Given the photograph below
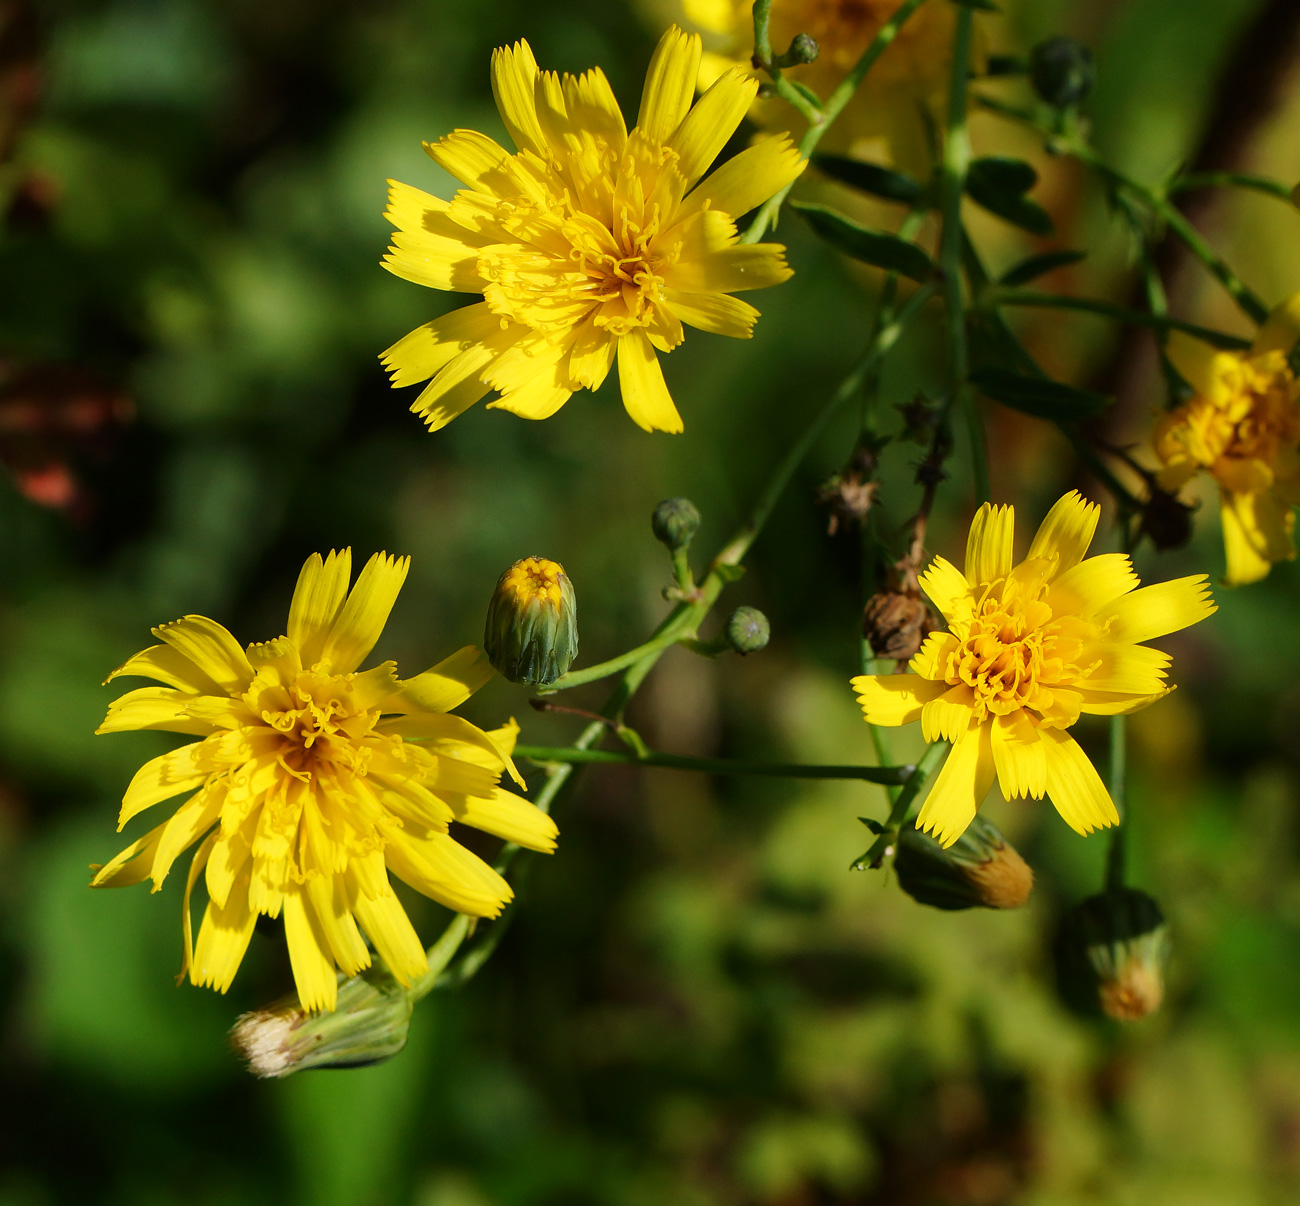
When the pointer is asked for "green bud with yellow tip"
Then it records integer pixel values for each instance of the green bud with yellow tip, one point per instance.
(531, 635)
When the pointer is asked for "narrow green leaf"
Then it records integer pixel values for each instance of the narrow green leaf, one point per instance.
(984, 6)
(1039, 396)
(1039, 265)
(999, 184)
(870, 246)
(870, 178)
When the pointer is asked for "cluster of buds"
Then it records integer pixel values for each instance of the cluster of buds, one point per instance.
(980, 870)
(531, 634)
(1112, 955)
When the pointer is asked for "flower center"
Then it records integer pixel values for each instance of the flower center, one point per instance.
(319, 722)
(1013, 651)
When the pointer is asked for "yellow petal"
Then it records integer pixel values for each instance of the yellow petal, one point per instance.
(455, 388)
(162, 708)
(1067, 531)
(948, 590)
(1243, 475)
(226, 864)
(1125, 669)
(931, 659)
(471, 157)
(212, 649)
(1019, 756)
(957, 793)
(223, 939)
(717, 16)
(444, 686)
(408, 206)
(592, 355)
(641, 380)
(1199, 364)
(326, 897)
(189, 823)
(669, 84)
(363, 616)
(1105, 703)
(514, 69)
(317, 599)
(730, 269)
(593, 109)
(1256, 532)
(711, 122)
(443, 870)
(1154, 611)
(894, 699)
(1074, 785)
(948, 716)
(1092, 584)
(543, 391)
(169, 666)
(437, 261)
(197, 864)
(508, 816)
(132, 865)
(160, 779)
(748, 179)
(715, 312)
(389, 928)
(313, 969)
(428, 349)
(988, 546)
(1281, 329)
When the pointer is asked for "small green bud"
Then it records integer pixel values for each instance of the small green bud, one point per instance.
(531, 635)
(980, 870)
(675, 522)
(748, 630)
(368, 1025)
(1112, 955)
(803, 49)
(1061, 70)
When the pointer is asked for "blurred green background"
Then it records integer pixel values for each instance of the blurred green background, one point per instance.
(698, 1002)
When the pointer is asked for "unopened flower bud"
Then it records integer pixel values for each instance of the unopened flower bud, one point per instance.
(1166, 520)
(675, 522)
(369, 1024)
(896, 622)
(980, 869)
(1115, 947)
(1061, 70)
(803, 49)
(531, 634)
(748, 630)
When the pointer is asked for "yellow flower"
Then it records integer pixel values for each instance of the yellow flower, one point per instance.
(1029, 648)
(908, 81)
(313, 780)
(588, 243)
(1243, 427)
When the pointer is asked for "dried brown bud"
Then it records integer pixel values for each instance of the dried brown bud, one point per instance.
(848, 498)
(896, 622)
(1166, 520)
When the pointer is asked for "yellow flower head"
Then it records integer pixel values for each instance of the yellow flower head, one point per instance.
(1029, 648)
(312, 780)
(1242, 427)
(910, 77)
(589, 242)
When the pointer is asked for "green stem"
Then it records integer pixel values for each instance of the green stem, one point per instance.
(684, 620)
(1258, 184)
(1054, 301)
(920, 776)
(890, 775)
(831, 108)
(952, 184)
(764, 59)
(1118, 771)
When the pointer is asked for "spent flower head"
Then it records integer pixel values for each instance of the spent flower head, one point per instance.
(590, 243)
(312, 780)
(1241, 426)
(1030, 647)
